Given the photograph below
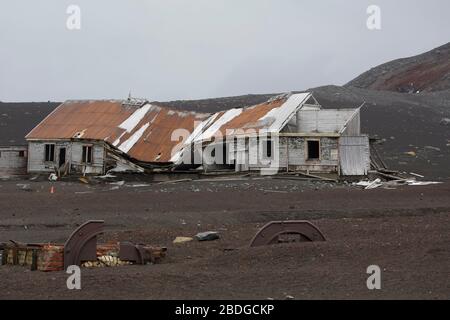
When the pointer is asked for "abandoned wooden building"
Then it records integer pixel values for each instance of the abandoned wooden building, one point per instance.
(95, 137)
(290, 132)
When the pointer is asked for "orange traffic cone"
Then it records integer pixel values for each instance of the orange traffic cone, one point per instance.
(52, 189)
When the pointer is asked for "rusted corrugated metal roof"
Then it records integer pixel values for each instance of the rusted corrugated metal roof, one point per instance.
(250, 117)
(143, 133)
(270, 116)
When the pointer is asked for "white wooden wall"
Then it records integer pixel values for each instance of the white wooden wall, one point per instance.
(74, 152)
(354, 152)
(10, 161)
(290, 151)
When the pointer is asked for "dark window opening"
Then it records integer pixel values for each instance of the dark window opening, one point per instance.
(50, 152)
(21, 154)
(268, 150)
(87, 154)
(313, 150)
(224, 153)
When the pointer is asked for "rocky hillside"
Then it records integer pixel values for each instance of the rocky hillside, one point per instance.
(427, 72)
(217, 104)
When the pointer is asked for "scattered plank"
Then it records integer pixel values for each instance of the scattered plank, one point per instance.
(391, 177)
(317, 177)
(288, 177)
(275, 191)
(174, 181)
(388, 171)
(374, 184)
(417, 175)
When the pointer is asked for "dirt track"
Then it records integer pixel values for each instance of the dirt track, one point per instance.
(405, 231)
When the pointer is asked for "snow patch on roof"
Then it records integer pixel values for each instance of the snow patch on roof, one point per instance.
(131, 141)
(193, 137)
(282, 114)
(133, 120)
(226, 117)
(200, 128)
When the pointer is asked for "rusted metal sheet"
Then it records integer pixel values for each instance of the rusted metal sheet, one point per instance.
(80, 249)
(145, 132)
(270, 116)
(139, 253)
(82, 243)
(71, 117)
(149, 139)
(280, 231)
(249, 118)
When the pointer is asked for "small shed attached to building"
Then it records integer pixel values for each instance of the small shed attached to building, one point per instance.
(290, 132)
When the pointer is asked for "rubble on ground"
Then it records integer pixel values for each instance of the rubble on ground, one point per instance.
(207, 236)
(182, 239)
(392, 183)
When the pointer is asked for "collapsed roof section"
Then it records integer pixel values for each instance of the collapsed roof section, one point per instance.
(148, 133)
(143, 132)
(269, 117)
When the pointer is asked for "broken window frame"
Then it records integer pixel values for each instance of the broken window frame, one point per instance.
(307, 153)
(87, 154)
(49, 152)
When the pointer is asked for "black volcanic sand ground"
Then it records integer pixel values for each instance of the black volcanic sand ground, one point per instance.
(405, 231)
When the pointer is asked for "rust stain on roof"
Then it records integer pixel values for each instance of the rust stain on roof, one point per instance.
(144, 132)
(250, 117)
(100, 120)
(97, 118)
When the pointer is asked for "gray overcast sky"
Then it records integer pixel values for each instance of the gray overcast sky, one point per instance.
(185, 49)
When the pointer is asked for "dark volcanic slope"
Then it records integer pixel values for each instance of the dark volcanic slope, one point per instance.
(429, 71)
(415, 123)
(17, 119)
(217, 104)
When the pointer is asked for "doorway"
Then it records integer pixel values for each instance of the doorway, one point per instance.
(62, 156)
(313, 151)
